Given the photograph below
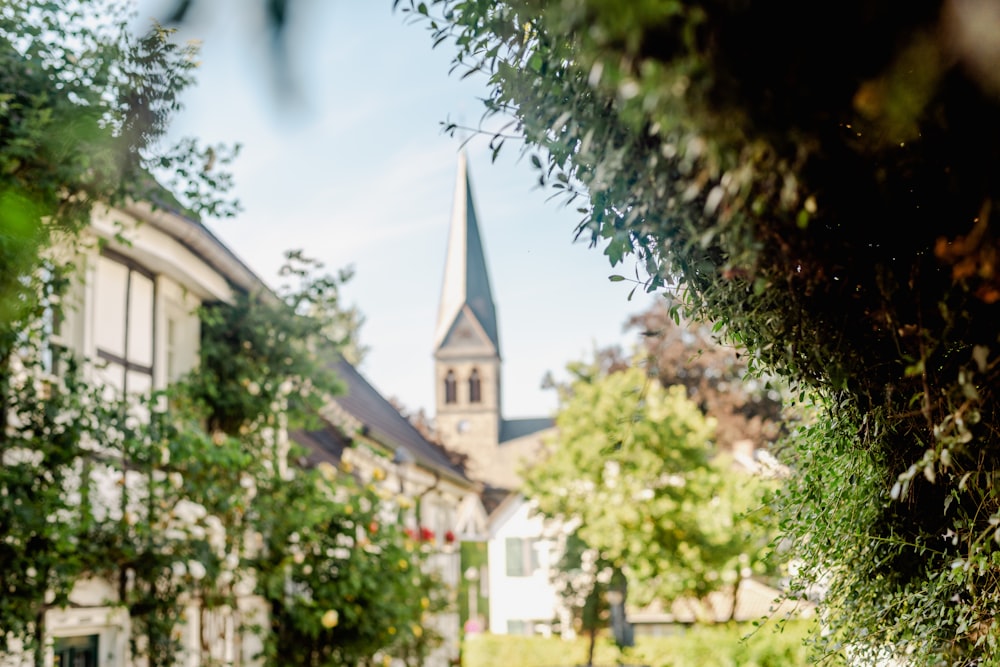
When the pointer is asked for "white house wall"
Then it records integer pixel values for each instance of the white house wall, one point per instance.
(518, 602)
(180, 281)
(161, 253)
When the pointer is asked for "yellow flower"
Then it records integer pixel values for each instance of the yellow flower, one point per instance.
(330, 618)
(328, 472)
(348, 509)
(403, 564)
(378, 474)
(416, 630)
(424, 603)
(386, 660)
(346, 467)
(392, 629)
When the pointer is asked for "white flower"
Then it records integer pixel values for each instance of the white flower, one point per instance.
(216, 534)
(197, 570)
(18, 455)
(188, 511)
(174, 534)
(249, 484)
(178, 569)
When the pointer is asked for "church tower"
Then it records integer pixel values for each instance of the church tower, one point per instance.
(466, 344)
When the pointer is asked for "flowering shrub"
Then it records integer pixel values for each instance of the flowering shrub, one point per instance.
(139, 492)
(329, 559)
(181, 499)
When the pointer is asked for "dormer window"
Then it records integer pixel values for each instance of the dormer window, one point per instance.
(475, 387)
(124, 324)
(450, 388)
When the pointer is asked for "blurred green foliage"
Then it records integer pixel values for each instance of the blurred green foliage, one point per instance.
(728, 645)
(817, 182)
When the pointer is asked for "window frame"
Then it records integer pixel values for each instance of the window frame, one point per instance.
(124, 361)
(86, 646)
(475, 387)
(527, 560)
(450, 388)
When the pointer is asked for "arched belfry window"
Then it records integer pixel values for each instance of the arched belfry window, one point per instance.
(475, 387)
(450, 393)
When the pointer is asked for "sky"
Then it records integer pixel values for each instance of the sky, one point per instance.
(351, 166)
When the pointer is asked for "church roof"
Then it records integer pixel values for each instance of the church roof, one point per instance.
(512, 429)
(466, 279)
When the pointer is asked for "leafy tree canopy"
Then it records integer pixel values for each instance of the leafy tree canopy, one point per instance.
(817, 178)
(745, 407)
(84, 106)
(631, 470)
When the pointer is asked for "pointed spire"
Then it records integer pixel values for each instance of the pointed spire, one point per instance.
(466, 279)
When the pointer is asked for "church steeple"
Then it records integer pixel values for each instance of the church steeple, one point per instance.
(466, 279)
(466, 340)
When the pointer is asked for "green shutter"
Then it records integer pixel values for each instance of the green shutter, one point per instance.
(515, 557)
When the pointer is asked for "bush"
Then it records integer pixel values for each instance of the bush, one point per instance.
(731, 645)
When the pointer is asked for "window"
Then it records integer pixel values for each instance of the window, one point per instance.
(522, 557)
(519, 627)
(450, 394)
(171, 349)
(75, 651)
(124, 324)
(475, 388)
(54, 352)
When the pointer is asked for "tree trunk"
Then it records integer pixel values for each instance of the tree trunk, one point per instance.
(40, 639)
(736, 596)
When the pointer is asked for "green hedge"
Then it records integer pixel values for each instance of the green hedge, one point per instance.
(700, 646)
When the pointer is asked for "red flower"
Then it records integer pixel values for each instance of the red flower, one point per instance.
(426, 534)
(410, 534)
(449, 537)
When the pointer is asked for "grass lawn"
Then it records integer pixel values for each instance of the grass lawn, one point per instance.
(701, 646)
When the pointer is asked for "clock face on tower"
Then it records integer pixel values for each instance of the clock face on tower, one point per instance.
(463, 426)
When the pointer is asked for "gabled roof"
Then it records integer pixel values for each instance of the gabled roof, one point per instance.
(199, 239)
(499, 502)
(466, 279)
(377, 419)
(325, 445)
